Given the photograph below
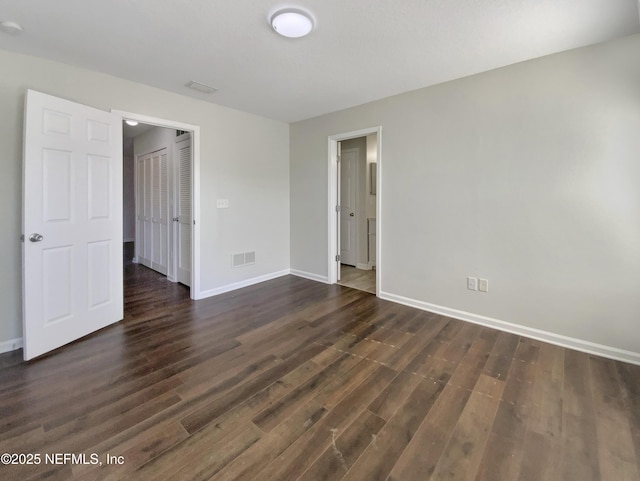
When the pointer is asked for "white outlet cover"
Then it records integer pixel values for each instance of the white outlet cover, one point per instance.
(472, 283)
(222, 203)
(483, 285)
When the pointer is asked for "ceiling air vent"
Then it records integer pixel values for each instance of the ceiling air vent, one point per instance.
(205, 89)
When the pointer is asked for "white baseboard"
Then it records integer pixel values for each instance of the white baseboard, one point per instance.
(539, 334)
(241, 284)
(159, 268)
(309, 275)
(129, 240)
(11, 345)
(363, 265)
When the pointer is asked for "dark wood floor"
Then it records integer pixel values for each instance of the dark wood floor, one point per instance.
(293, 379)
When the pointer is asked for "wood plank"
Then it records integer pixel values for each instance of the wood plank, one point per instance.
(242, 392)
(345, 448)
(250, 463)
(461, 457)
(379, 458)
(419, 458)
(392, 398)
(579, 434)
(510, 425)
(199, 456)
(617, 457)
(301, 454)
(543, 439)
(501, 356)
(628, 376)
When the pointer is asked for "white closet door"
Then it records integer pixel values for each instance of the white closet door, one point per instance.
(183, 156)
(156, 243)
(163, 215)
(148, 226)
(140, 210)
(159, 211)
(153, 210)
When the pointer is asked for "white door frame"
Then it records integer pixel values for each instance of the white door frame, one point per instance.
(333, 201)
(195, 188)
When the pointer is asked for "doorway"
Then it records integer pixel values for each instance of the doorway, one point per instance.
(180, 238)
(354, 213)
(72, 196)
(157, 198)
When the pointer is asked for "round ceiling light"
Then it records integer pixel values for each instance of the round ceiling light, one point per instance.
(12, 28)
(132, 123)
(292, 22)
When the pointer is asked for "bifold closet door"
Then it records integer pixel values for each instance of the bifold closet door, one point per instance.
(185, 223)
(140, 214)
(159, 212)
(153, 210)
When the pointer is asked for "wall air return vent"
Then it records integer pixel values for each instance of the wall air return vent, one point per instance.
(243, 259)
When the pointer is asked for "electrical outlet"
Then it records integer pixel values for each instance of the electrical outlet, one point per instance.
(472, 283)
(483, 285)
(222, 204)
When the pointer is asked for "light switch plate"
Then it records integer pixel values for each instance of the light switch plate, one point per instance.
(222, 204)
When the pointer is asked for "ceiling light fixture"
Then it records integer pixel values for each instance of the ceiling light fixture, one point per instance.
(12, 28)
(292, 22)
(132, 123)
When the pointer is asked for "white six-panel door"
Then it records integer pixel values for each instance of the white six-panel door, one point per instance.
(348, 178)
(72, 222)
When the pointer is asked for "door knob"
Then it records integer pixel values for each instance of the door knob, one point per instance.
(176, 219)
(351, 214)
(35, 237)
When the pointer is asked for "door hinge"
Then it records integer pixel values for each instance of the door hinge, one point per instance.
(338, 158)
(337, 208)
(338, 258)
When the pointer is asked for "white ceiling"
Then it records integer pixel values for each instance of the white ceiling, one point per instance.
(361, 50)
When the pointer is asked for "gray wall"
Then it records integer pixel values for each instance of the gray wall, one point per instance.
(254, 175)
(528, 176)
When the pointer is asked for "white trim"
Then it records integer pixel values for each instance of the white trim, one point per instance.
(195, 292)
(365, 266)
(11, 345)
(332, 197)
(310, 276)
(539, 334)
(247, 282)
(131, 239)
